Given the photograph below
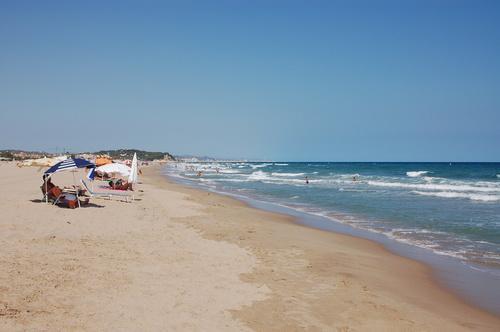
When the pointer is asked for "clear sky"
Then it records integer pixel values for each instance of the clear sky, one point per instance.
(283, 80)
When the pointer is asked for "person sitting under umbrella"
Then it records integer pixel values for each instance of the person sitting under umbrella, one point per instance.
(119, 184)
(55, 194)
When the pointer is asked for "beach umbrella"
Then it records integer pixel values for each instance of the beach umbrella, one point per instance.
(116, 168)
(69, 164)
(91, 174)
(132, 178)
(99, 161)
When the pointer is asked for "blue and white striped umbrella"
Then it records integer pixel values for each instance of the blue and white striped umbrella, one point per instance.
(68, 164)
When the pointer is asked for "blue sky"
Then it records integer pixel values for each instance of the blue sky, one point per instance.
(283, 80)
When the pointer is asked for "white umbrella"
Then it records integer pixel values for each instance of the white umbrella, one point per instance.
(132, 178)
(121, 169)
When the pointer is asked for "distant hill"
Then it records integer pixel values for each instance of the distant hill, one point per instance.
(200, 158)
(129, 154)
(21, 154)
(115, 154)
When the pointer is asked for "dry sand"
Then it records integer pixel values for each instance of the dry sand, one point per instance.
(184, 259)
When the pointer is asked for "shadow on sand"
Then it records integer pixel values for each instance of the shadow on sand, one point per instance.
(89, 205)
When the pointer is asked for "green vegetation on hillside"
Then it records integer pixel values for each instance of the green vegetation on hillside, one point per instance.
(6, 155)
(142, 155)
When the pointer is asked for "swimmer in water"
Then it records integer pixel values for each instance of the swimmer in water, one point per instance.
(307, 180)
(200, 174)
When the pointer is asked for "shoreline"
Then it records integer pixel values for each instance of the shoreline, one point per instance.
(180, 258)
(473, 286)
(434, 290)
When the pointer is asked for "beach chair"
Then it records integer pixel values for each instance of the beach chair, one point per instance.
(53, 195)
(57, 196)
(108, 195)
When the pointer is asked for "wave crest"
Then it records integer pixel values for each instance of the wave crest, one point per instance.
(448, 194)
(414, 174)
(434, 186)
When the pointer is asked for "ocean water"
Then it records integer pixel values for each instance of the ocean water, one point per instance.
(450, 209)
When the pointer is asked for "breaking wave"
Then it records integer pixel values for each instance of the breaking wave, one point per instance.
(448, 194)
(288, 174)
(260, 165)
(436, 186)
(414, 174)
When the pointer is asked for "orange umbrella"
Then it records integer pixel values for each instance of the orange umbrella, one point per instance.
(102, 161)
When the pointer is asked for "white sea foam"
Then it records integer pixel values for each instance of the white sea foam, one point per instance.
(288, 174)
(258, 176)
(356, 190)
(231, 180)
(260, 165)
(414, 174)
(400, 235)
(281, 164)
(207, 181)
(436, 186)
(229, 171)
(448, 194)
(491, 184)
(414, 231)
(272, 178)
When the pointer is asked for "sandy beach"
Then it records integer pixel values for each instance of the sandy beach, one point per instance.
(181, 259)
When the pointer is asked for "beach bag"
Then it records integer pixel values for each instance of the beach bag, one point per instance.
(72, 204)
(55, 192)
